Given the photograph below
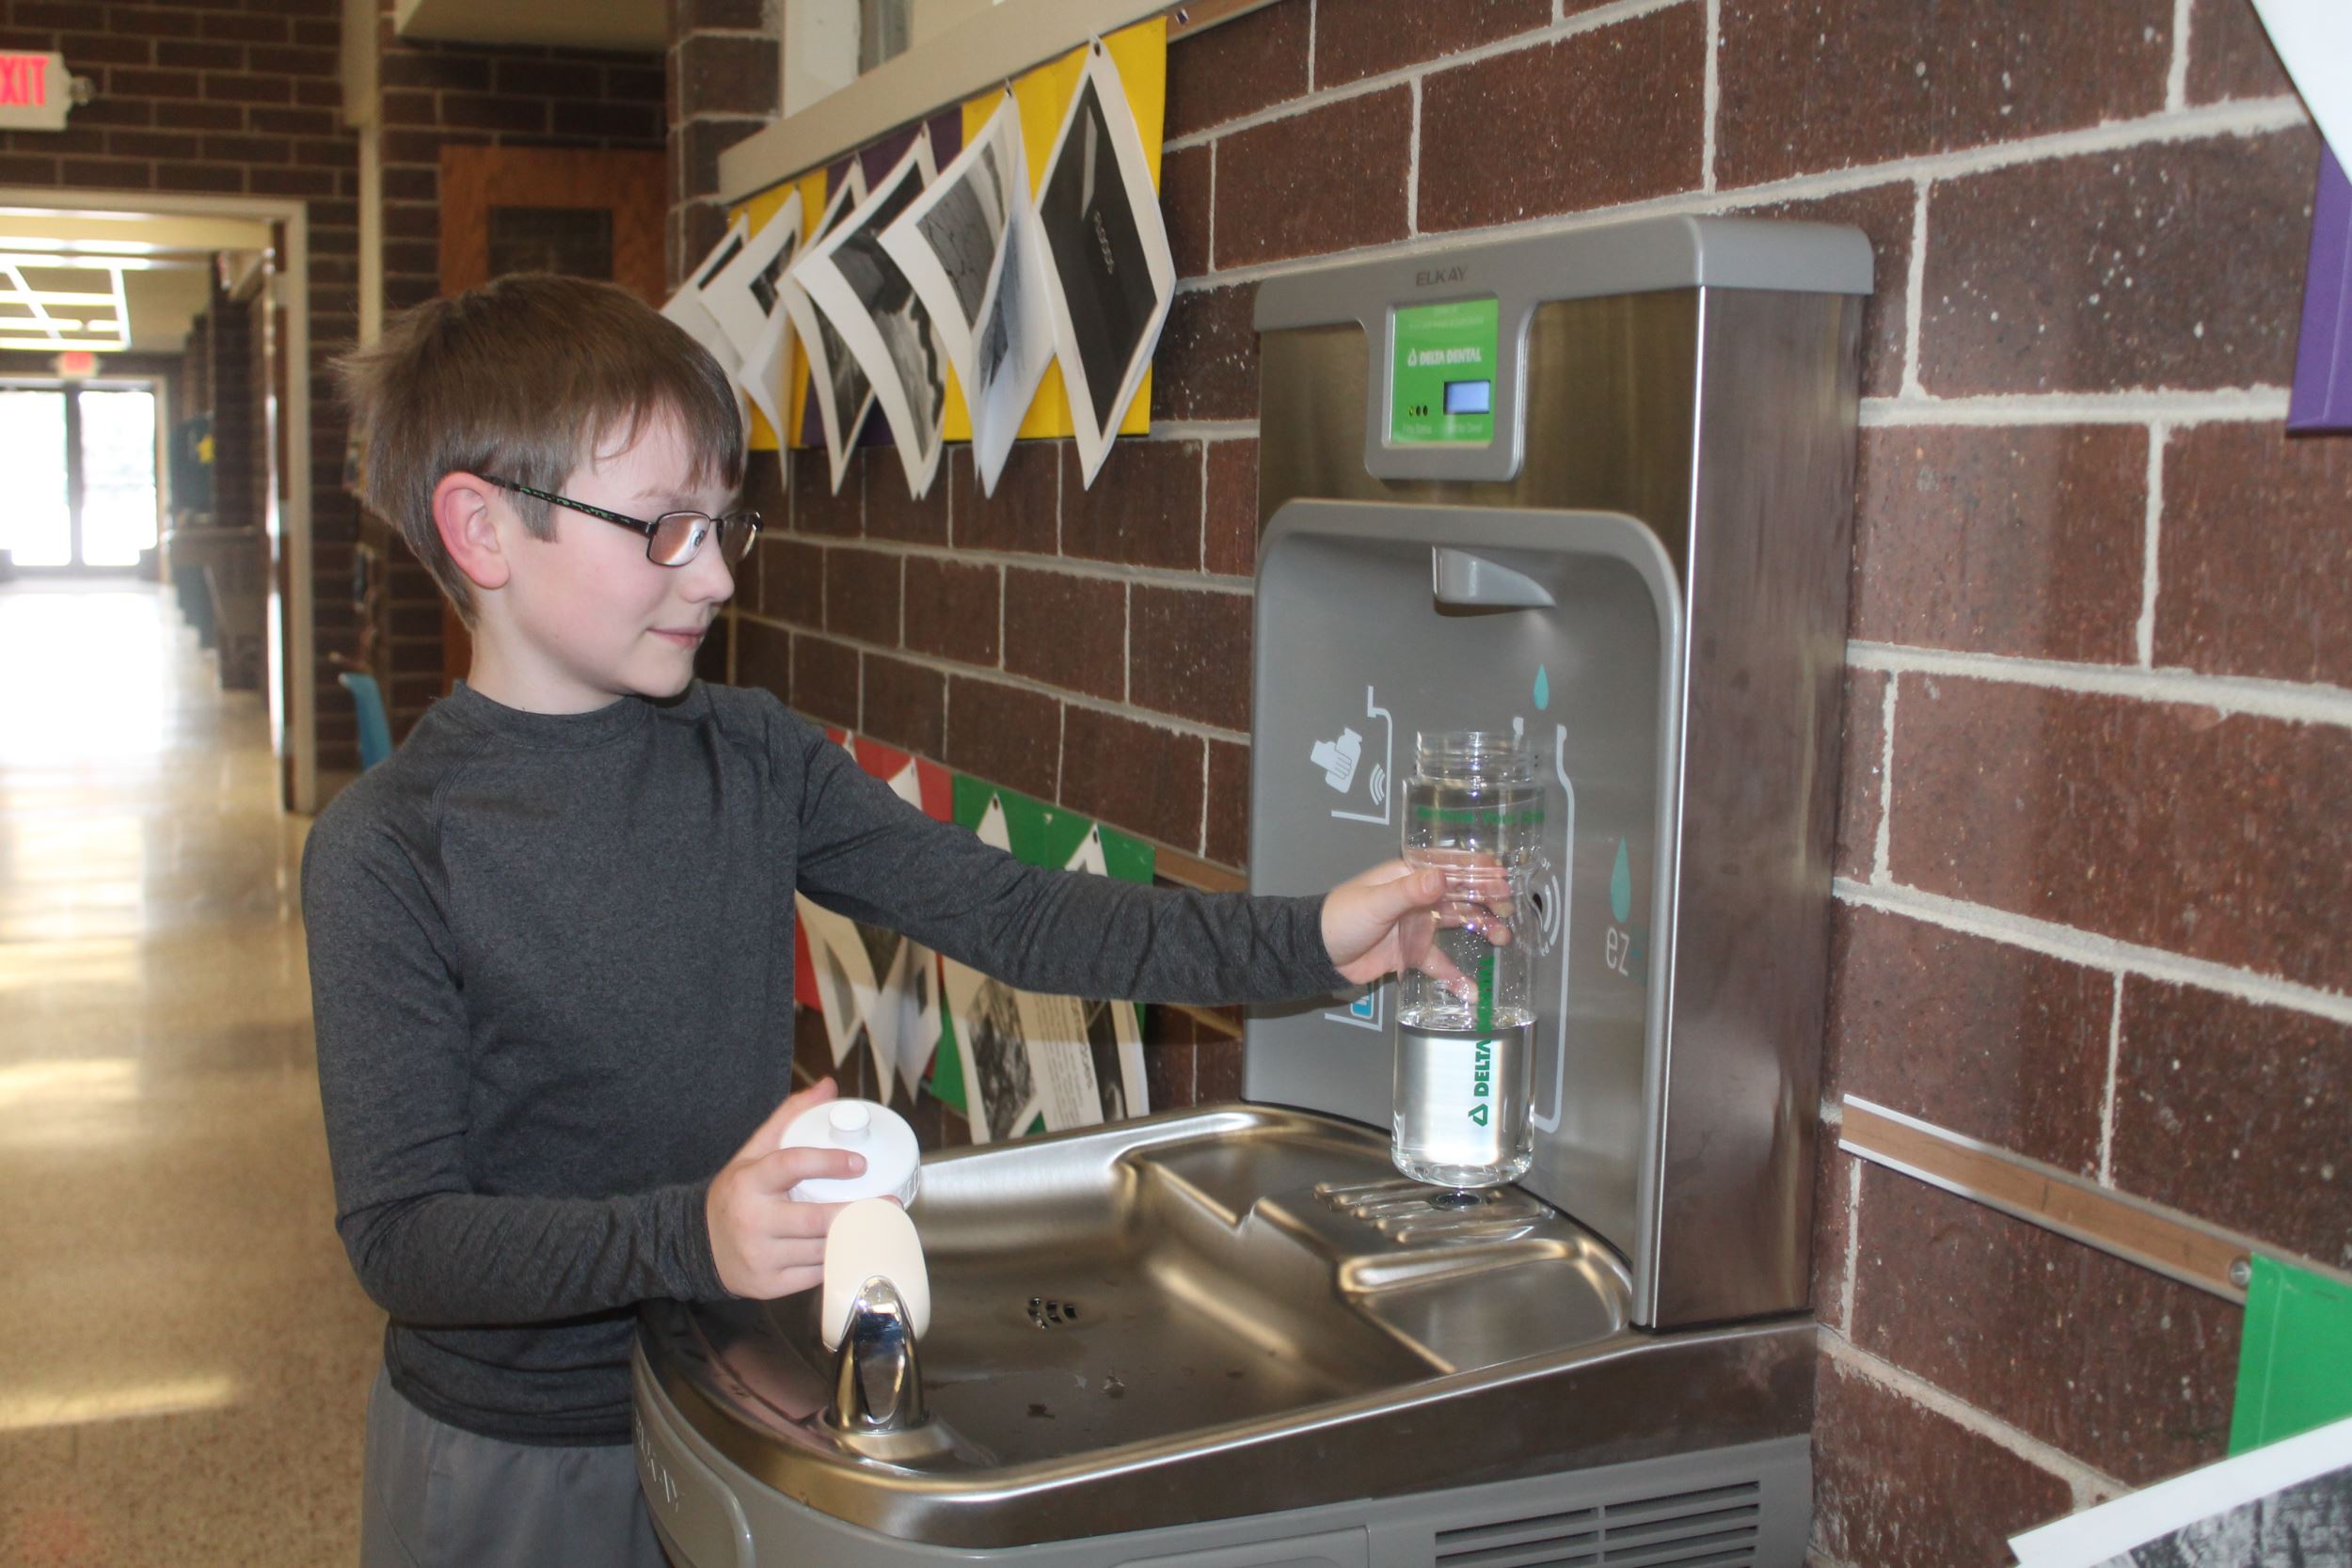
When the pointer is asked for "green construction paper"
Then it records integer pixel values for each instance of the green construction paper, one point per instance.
(2295, 1361)
(1039, 834)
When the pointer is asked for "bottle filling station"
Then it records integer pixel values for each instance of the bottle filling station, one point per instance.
(1594, 491)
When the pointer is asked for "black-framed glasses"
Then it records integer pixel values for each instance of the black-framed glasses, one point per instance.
(671, 539)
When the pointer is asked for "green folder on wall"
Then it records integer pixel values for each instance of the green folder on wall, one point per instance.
(2294, 1363)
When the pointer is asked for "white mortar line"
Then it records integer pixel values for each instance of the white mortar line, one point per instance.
(1853, 1244)
(1201, 557)
(2227, 694)
(1916, 287)
(1210, 262)
(2090, 951)
(1058, 565)
(2249, 116)
(2176, 79)
(2234, 405)
(1201, 430)
(1879, 868)
(1067, 697)
(2089, 1485)
(1412, 166)
(1714, 92)
(2107, 1105)
(1127, 646)
(2145, 638)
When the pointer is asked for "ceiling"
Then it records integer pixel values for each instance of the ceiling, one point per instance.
(641, 26)
(113, 282)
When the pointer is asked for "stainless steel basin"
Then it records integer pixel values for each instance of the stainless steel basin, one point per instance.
(1214, 1313)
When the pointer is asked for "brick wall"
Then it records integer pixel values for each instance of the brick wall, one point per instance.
(2097, 804)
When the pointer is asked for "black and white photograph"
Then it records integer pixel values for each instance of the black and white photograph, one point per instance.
(1109, 274)
(837, 383)
(689, 310)
(969, 247)
(1001, 1095)
(854, 282)
(741, 294)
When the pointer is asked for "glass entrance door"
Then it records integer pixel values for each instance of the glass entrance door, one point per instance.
(36, 525)
(82, 465)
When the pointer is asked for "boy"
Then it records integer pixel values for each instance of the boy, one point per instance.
(551, 938)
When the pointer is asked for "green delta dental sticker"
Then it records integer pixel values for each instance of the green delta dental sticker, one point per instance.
(1441, 385)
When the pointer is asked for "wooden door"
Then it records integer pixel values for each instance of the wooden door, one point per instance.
(512, 209)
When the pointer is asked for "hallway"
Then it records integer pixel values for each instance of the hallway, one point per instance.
(184, 1368)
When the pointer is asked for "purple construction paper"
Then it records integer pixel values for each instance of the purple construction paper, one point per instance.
(2323, 359)
(879, 158)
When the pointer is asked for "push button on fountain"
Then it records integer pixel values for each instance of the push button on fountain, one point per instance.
(876, 1133)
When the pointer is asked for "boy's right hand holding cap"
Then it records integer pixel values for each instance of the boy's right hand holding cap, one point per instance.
(765, 1245)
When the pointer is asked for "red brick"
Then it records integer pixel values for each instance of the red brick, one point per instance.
(953, 608)
(892, 513)
(404, 109)
(2229, 54)
(231, 87)
(539, 78)
(727, 75)
(1275, 196)
(2225, 838)
(1217, 1070)
(475, 112)
(2023, 1324)
(2170, 264)
(1167, 1046)
(200, 57)
(87, 48)
(1898, 1484)
(2005, 1045)
(1135, 776)
(1004, 735)
(245, 30)
(1833, 1223)
(2232, 1111)
(1185, 194)
(702, 141)
(862, 595)
(1863, 778)
(2254, 560)
(1356, 38)
(2027, 541)
(614, 125)
(1067, 630)
(108, 174)
(1232, 544)
(825, 679)
(1229, 804)
(158, 22)
(247, 150)
(763, 658)
(1612, 116)
(1247, 65)
(198, 177)
(412, 185)
(905, 704)
(695, 15)
(790, 581)
(145, 144)
(817, 508)
(1886, 215)
(154, 84)
(644, 84)
(1896, 79)
(199, 117)
(294, 122)
(1206, 366)
(1024, 515)
(1144, 509)
(1189, 653)
(277, 61)
(416, 68)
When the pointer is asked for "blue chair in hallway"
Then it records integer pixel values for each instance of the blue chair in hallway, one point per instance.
(375, 730)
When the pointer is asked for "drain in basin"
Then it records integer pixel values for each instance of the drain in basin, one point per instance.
(1052, 1312)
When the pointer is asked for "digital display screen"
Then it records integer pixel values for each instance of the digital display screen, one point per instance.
(1441, 376)
(1469, 397)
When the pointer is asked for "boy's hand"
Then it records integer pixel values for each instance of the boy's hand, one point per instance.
(1370, 922)
(765, 1245)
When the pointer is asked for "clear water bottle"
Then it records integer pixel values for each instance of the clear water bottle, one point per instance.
(1465, 1009)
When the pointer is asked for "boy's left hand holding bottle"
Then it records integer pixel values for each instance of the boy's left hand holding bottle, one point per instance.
(765, 1245)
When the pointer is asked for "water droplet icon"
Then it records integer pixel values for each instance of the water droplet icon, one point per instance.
(1542, 687)
(1621, 887)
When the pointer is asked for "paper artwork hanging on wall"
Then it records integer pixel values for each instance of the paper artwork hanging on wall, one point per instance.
(856, 285)
(970, 246)
(843, 394)
(1109, 274)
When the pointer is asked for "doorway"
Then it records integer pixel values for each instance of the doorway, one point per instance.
(120, 500)
(83, 460)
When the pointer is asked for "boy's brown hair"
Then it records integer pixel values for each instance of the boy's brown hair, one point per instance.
(523, 378)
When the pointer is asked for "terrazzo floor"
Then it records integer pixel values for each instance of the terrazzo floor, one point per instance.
(184, 1352)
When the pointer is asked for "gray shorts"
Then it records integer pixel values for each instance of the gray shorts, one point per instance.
(440, 1497)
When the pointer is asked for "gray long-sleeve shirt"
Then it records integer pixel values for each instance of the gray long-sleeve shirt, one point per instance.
(551, 962)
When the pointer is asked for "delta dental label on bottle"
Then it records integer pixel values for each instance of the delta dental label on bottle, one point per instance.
(1453, 1116)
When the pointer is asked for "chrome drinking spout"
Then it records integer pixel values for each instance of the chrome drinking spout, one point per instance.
(877, 1382)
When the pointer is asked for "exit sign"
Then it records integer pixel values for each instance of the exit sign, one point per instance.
(36, 91)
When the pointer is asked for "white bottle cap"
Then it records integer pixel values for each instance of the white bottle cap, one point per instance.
(877, 1134)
